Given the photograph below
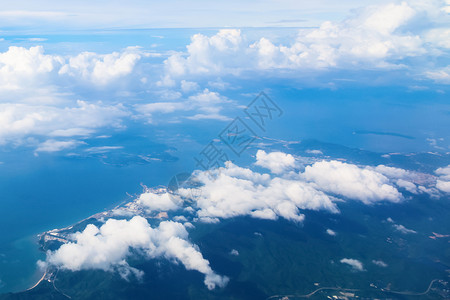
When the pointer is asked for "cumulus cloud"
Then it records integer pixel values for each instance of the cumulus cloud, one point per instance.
(209, 55)
(378, 36)
(18, 120)
(101, 69)
(379, 263)
(443, 185)
(411, 181)
(234, 252)
(403, 178)
(393, 172)
(443, 181)
(354, 263)
(28, 70)
(403, 229)
(21, 67)
(331, 232)
(233, 191)
(444, 172)
(276, 162)
(156, 202)
(38, 93)
(108, 247)
(407, 185)
(351, 181)
(205, 105)
(367, 39)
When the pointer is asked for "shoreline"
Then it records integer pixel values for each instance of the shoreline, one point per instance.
(37, 283)
(95, 216)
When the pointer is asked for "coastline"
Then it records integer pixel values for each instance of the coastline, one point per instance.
(37, 283)
(54, 234)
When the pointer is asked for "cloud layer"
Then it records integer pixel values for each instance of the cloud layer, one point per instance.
(351, 181)
(443, 181)
(380, 37)
(136, 83)
(233, 191)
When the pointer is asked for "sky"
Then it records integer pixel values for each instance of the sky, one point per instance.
(57, 15)
(58, 88)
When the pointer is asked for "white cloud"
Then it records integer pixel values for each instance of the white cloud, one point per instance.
(351, 181)
(331, 232)
(149, 109)
(276, 162)
(102, 69)
(315, 152)
(189, 86)
(443, 181)
(38, 92)
(211, 116)
(55, 146)
(378, 36)
(409, 180)
(30, 70)
(400, 228)
(392, 172)
(21, 68)
(379, 263)
(407, 185)
(439, 36)
(369, 39)
(440, 75)
(206, 104)
(71, 132)
(21, 120)
(234, 191)
(234, 252)
(403, 229)
(443, 185)
(102, 149)
(444, 172)
(209, 55)
(354, 263)
(108, 247)
(156, 202)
